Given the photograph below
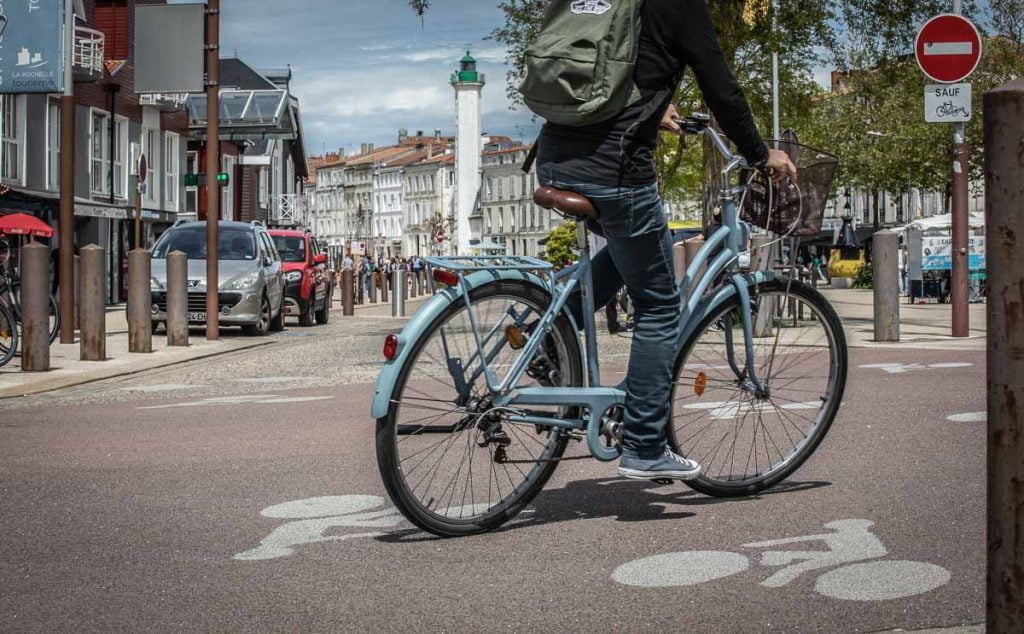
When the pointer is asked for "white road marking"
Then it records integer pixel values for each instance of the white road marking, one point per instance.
(969, 417)
(903, 368)
(243, 399)
(673, 570)
(315, 517)
(273, 379)
(881, 580)
(723, 410)
(162, 387)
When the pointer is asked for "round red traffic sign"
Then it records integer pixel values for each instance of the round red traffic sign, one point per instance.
(948, 48)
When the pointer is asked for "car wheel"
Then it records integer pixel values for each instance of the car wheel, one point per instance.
(324, 314)
(277, 323)
(262, 325)
(306, 314)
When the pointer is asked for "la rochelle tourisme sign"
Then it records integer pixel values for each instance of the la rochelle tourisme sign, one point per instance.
(31, 46)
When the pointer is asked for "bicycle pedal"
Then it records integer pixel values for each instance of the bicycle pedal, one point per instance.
(663, 481)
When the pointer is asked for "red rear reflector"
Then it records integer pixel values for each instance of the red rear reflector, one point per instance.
(446, 277)
(390, 347)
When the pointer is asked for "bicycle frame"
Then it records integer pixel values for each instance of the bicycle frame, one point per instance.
(697, 296)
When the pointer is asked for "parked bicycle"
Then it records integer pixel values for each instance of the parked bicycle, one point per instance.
(486, 386)
(10, 297)
(8, 325)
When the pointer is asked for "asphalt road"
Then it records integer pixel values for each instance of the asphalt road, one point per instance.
(242, 493)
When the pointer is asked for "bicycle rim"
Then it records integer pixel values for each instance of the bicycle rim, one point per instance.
(747, 442)
(8, 336)
(453, 464)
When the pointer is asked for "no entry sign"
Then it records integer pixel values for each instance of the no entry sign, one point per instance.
(948, 48)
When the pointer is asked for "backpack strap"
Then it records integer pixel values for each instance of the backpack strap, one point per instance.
(531, 157)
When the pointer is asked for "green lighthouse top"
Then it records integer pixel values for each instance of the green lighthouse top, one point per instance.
(467, 71)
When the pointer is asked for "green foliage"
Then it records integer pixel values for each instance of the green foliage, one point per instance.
(560, 244)
(865, 277)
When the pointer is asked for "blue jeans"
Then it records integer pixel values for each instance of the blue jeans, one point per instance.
(639, 255)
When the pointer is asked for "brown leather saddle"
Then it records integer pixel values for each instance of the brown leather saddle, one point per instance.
(565, 202)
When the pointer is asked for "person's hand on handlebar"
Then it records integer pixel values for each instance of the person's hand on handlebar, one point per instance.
(670, 122)
(780, 165)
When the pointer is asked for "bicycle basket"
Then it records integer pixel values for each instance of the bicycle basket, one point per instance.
(788, 209)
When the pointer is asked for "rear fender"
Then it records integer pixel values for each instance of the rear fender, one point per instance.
(419, 323)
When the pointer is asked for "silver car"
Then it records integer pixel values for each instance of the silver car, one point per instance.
(251, 284)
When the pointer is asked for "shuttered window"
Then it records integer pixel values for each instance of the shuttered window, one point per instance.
(112, 20)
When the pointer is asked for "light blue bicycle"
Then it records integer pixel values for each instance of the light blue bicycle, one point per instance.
(488, 383)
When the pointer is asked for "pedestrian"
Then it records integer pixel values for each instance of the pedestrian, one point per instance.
(346, 263)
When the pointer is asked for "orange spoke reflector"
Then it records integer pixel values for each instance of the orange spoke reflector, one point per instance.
(700, 384)
(514, 335)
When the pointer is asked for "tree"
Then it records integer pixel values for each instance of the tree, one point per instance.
(560, 243)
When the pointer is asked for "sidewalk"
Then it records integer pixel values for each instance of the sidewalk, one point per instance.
(66, 370)
(921, 325)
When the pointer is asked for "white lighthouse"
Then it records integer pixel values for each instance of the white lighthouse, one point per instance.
(469, 85)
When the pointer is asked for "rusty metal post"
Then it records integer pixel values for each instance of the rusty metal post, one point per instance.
(35, 307)
(372, 295)
(92, 306)
(177, 298)
(78, 290)
(212, 167)
(885, 260)
(140, 319)
(347, 306)
(398, 294)
(66, 174)
(1004, 199)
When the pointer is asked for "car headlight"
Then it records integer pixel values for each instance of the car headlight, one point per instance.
(155, 284)
(293, 276)
(241, 282)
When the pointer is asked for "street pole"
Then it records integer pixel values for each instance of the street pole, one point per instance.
(776, 118)
(1004, 198)
(212, 165)
(959, 288)
(66, 213)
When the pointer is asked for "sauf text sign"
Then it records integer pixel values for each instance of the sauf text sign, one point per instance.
(31, 46)
(945, 103)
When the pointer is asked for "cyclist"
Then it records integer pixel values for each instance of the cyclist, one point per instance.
(611, 163)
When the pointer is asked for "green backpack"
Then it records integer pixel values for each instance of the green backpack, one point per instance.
(579, 68)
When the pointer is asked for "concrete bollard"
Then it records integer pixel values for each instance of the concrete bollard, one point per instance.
(347, 279)
(92, 341)
(140, 320)
(371, 297)
(35, 307)
(398, 294)
(1004, 227)
(679, 261)
(693, 246)
(177, 299)
(78, 289)
(885, 265)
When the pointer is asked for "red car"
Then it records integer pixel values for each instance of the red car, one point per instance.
(309, 285)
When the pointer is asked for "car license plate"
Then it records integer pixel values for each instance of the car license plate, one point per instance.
(195, 316)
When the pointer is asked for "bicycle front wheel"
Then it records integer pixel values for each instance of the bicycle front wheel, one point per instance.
(450, 460)
(8, 335)
(747, 442)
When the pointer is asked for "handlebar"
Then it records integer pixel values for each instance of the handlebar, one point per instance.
(700, 123)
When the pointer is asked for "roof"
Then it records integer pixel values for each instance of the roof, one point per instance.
(379, 154)
(234, 73)
(517, 148)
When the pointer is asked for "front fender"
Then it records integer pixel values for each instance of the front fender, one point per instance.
(714, 300)
(417, 326)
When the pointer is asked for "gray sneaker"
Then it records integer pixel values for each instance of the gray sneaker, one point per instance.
(668, 465)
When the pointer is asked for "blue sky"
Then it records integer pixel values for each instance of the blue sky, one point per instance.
(362, 69)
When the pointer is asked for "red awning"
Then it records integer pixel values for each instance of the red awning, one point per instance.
(25, 225)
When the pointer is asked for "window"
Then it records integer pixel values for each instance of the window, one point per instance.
(100, 153)
(500, 188)
(191, 193)
(52, 144)
(120, 157)
(13, 137)
(263, 187)
(171, 164)
(152, 151)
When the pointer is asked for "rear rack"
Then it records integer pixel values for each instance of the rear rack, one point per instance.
(470, 263)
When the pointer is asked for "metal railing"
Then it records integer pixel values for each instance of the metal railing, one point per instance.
(163, 100)
(288, 209)
(89, 50)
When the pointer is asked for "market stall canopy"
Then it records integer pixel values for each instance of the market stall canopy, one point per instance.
(25, 225)
(945, 221)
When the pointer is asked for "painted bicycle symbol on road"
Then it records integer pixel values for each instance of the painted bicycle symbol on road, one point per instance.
(854, 554)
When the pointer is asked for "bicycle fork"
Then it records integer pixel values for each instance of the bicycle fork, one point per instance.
(749, 376)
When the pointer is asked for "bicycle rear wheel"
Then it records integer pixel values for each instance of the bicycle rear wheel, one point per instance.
(8, 335)
(745, 442)
(52, 308)
(450, 461)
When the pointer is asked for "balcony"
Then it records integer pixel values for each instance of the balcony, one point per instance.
(87, 61)
(164, 101)
(288, 210)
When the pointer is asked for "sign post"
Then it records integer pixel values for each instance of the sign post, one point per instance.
(138, 200)
(66, 209)
(948, 49)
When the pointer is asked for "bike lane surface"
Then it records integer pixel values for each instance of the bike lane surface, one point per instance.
(264, 510)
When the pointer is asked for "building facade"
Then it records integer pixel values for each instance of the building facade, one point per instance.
(509, 218)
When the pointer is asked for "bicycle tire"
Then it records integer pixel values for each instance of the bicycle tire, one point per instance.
(389, 462)
(54, 308)
(760, 481)
(8, 335)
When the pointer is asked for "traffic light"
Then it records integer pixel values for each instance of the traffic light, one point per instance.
(192, 180)
(222, 178)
